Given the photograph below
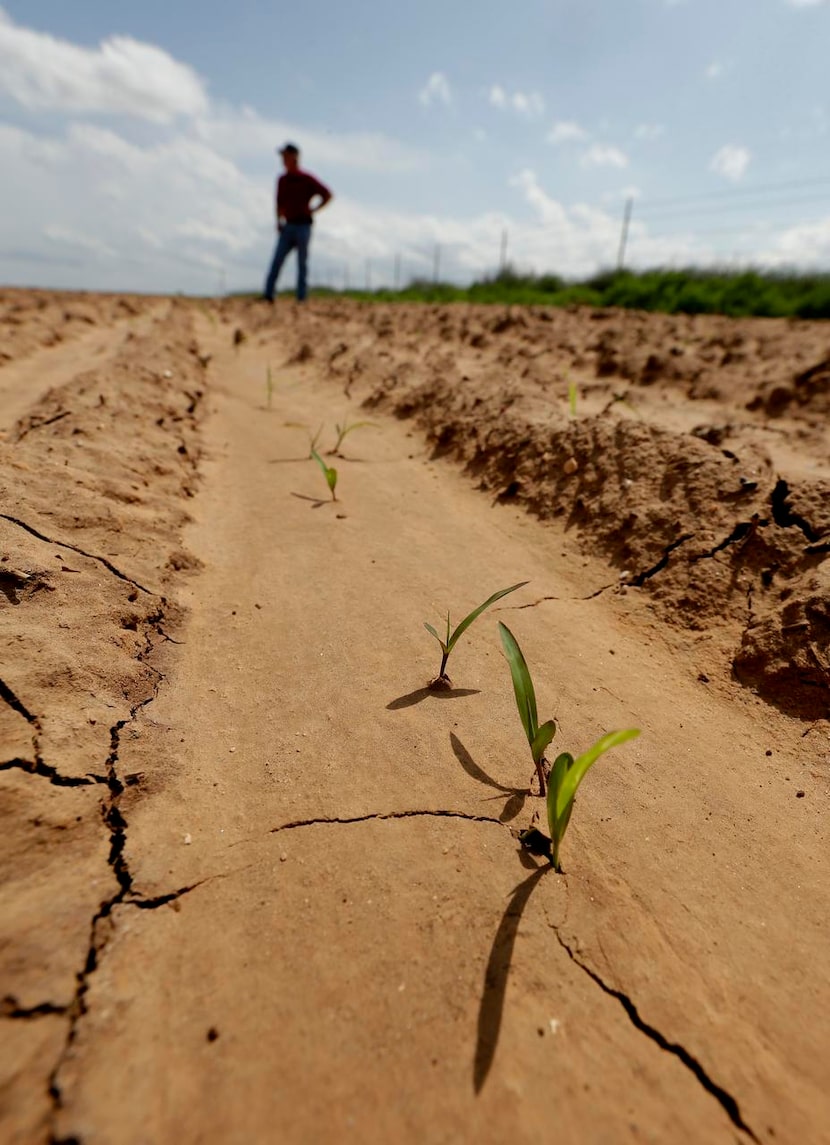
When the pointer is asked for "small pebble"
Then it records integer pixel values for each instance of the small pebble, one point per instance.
(187, 840)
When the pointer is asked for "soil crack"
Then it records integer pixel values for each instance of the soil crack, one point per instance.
(727, 1102)
(642, 577)
(16, 705)
(75, 549)
(10, 1009)
(785, 516)
(742, 532)
(381, 815)
(565, 599)
(38, 767)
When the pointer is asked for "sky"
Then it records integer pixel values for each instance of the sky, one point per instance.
(137, 141)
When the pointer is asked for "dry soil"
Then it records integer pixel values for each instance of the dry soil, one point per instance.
(258, 883)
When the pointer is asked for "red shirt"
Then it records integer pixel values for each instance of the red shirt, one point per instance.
(295, 189)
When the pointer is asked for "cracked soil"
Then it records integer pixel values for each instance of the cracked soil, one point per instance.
(258, 883)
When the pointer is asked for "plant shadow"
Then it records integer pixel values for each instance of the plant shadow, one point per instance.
(316, 502)
(420, 694)
(516, 795)
(491, 1008)
(285, 460)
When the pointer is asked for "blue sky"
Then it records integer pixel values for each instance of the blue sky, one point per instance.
(136, 141)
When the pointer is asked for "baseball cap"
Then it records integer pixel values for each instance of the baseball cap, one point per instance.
(291, 148)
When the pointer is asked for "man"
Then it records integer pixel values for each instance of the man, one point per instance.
(295, 190)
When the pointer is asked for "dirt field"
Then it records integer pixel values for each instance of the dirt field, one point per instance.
(257, 882)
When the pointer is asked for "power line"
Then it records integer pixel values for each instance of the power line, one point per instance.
(823, 180)
(724, 208)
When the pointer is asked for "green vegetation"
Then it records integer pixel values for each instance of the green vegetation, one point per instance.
(313, 438)
(567, 773)
(442, 679)
(345, 428)
(739, 294)
(572, 396)
(329, 473)
(538, 737)
(565, 777)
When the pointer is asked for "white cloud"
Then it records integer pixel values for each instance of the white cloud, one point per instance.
(603, 155)
(649, 131)
(715, 70)
(531, 105)
(242, 132)
(566, 131)
(498, 96)
(121, 76)
(805, 3)
(436, 90)
(731, 162)
(78, 240)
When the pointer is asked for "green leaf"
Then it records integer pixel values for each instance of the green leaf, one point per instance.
(579, 769)
(468, 620)
(355, 425)
(329, 473)
(542, 739)
(429, 628)
(560, 768)
(522, 683)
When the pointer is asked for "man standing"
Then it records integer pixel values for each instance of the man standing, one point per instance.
(295, 190)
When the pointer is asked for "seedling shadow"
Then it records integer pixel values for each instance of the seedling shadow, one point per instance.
(316, 502)
(491, 1008)
(284, 460)
(516, 795)
(413, 698)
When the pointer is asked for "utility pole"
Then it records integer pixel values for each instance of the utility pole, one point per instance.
(503, 255)
(629, 207)
(436, 262)
(345, 276)
(397, 274)
(368, 274)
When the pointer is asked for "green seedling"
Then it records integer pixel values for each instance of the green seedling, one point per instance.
(567, 773)
(269, 388)
(572, 396)
(312, 438)
(442, 680)
(538, 737)
(345, 428)
(565, 777)
(329, 473)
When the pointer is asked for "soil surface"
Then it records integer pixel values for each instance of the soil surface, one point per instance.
(258, 882)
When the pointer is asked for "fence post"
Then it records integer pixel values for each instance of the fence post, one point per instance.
(629, 207)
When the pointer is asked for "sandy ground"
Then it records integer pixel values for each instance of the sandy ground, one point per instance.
(258, 882)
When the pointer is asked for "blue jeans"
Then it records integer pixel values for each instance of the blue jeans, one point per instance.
(292, 235)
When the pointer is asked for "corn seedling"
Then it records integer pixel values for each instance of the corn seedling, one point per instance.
(565, 777)
(345, 428)
(572, 396)
(269, 388)
(329, 473)
(442, 680)
(312, 438)
(538, 737)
